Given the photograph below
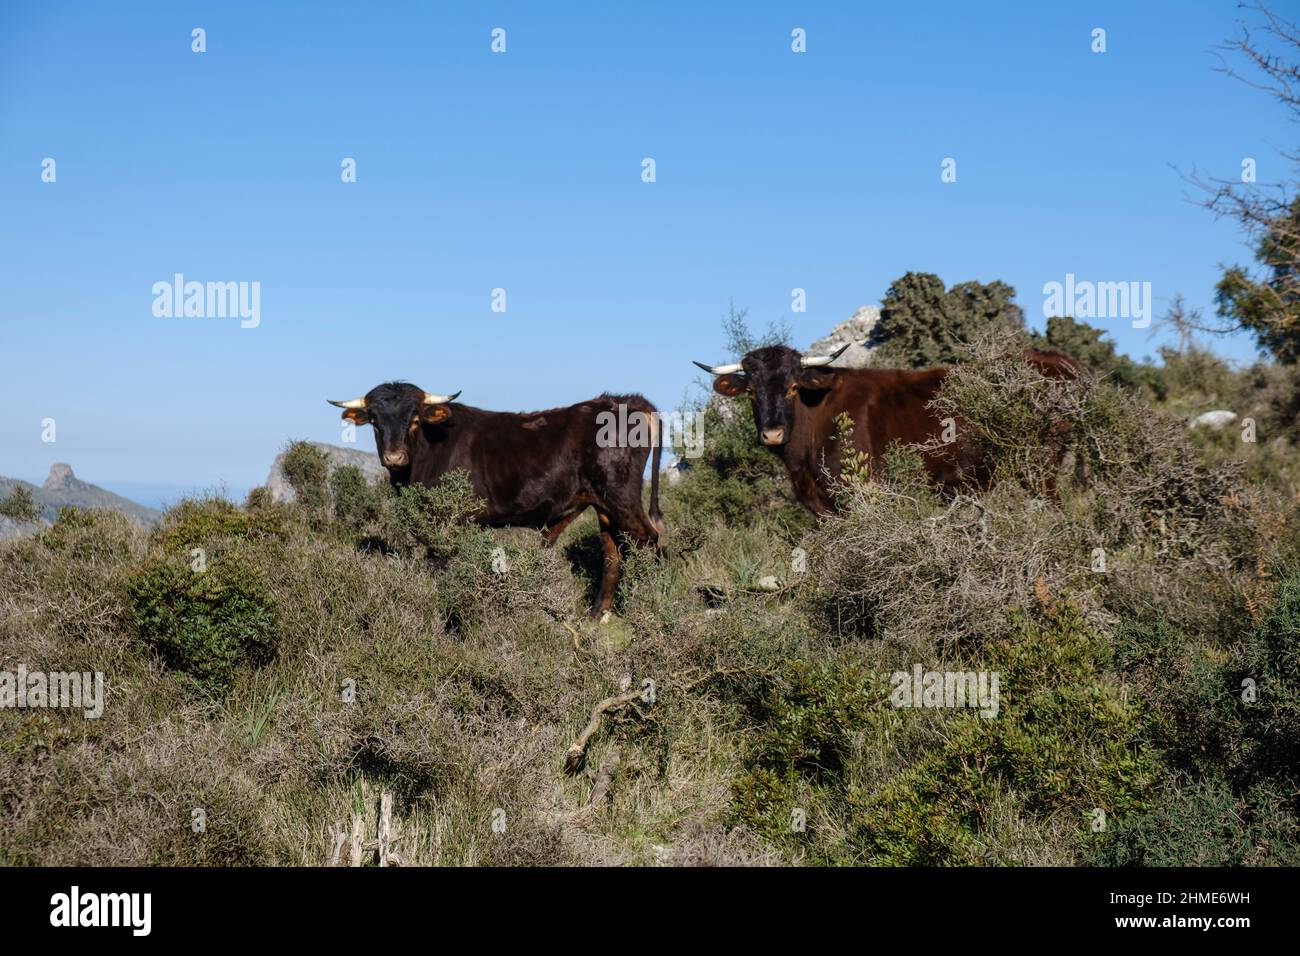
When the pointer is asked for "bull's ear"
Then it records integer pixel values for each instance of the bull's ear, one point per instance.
(355, 415)
(817, 379)
(731, 384)
(433, 414)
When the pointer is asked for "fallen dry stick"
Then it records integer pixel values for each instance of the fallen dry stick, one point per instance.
(578, 749)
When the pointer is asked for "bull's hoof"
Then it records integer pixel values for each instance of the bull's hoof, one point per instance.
(606, 617)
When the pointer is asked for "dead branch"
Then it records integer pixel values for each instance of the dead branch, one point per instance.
(577, 752)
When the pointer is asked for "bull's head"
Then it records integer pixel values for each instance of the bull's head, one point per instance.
(774, 378)
(396, 410)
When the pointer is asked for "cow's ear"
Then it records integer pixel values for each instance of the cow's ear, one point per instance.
(433, 414)
(817, 379)
(356, 416)
(731, 385)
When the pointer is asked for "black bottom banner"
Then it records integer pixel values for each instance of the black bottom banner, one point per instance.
(300, 905)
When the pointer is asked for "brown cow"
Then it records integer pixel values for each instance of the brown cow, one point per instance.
(796, 399)
(536, 469)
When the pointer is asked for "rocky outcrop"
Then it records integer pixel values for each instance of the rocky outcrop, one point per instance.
(853, 331)
(368, 462)
(10, 528)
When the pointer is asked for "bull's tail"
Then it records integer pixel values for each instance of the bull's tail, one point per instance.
(656, 440)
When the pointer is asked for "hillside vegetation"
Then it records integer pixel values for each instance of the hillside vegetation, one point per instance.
(277, 666)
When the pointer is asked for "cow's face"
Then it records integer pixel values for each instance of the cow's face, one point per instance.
(777, 379)
(396, 411)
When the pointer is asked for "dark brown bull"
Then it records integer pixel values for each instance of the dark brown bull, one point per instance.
(540, 469)
(796, 399)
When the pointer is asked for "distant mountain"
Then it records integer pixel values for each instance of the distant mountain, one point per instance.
(62, 489)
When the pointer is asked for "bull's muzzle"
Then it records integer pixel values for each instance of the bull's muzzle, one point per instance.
(394, 459)
(773, 436)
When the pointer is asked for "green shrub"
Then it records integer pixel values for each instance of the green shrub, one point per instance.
(307, 469)
(199, 522)
(1204, 824)
(131, 804)
(20, 505)
(1190, 707)
(479, 573)
(809, 715)
(1272, 722)
(259, 499)
(91, 534)
(1063, 744)
(1200, 711)
(432, 518)
(205, 624)
(358, 504)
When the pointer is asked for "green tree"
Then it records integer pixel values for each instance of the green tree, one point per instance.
(1269, 305)
(922, 323)
(1266, 303)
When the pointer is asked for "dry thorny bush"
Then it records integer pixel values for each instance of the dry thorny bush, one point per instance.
(1091, 487)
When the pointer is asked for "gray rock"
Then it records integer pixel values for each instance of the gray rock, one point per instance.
(368, 462)
(852, 331)
(9, 528)
(1217, 419)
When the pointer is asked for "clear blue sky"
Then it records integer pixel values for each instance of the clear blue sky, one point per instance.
(523, 171)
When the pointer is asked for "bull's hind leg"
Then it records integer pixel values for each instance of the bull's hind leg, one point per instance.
(557, 529)
(611, 569)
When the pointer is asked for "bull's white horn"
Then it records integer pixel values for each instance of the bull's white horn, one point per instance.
(432, 399)
(350, 403)
(813, 361)
(719, 369)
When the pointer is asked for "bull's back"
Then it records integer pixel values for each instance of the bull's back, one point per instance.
(529, 468)
(894, 407)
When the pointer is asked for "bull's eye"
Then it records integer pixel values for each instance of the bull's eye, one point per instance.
(792, 390)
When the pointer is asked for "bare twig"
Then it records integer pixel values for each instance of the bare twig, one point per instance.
(577, 752)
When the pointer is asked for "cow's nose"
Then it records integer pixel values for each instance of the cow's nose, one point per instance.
(395, 459)
(773, 436)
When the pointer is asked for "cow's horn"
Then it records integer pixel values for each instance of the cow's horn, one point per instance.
(350, 403)
(432, 399)
(719, 369)
(815, 360)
